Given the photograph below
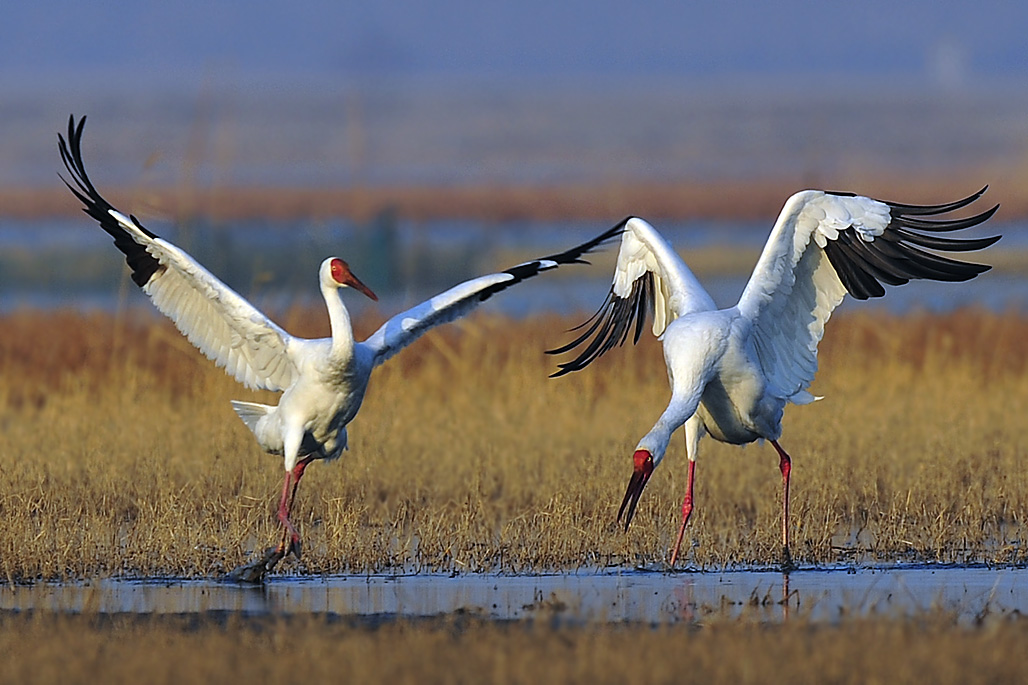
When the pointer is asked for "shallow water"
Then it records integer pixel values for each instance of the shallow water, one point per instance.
(53, 264)
(637, 596)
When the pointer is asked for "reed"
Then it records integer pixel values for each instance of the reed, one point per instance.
(121, 454)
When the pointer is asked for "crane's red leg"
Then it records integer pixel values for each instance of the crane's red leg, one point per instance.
(255, 571)
(785, 465)
(686, 511)
(290, 538)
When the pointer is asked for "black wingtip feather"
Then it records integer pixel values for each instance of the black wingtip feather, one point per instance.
(934, 242)
(928, 210)
(571, 256)
(143, 265)
(610, 326)
(895, 257)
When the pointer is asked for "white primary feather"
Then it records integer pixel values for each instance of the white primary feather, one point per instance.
(217, 320)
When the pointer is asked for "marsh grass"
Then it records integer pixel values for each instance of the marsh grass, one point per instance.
(121, 454)
(91, 648)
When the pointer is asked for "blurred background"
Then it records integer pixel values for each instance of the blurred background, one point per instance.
(427, 142)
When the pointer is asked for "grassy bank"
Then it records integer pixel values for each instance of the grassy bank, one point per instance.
(122, 455)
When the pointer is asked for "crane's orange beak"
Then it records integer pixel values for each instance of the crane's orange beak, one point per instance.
(643, 468)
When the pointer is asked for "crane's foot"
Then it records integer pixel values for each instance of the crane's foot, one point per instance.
(255, 571)
(787, 563)
(295, 548)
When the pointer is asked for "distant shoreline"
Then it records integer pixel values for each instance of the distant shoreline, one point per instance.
(603, 202)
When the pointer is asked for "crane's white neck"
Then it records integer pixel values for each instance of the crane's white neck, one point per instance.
(339, 320)
(656, 441)
(679, 410)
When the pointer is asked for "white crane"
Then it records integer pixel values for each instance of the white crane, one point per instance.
(322, 381)
(732, 371)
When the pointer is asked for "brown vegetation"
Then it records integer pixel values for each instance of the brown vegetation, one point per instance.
(602, 202)
(122, 455)
(90, 648)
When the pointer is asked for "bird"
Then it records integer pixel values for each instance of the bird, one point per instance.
(732, 371)
(322, 381)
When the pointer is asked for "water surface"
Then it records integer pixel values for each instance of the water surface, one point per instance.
(636, 596)
(69, 263)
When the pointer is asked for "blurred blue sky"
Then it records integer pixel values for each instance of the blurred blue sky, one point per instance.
(153, 44)
(465, 91)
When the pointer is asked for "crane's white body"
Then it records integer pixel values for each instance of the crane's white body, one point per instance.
(323, 381)
(733, 371)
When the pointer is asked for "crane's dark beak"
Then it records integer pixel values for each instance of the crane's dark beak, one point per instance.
(643, 468)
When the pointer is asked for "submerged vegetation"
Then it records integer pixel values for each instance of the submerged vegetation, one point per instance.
(122, 455)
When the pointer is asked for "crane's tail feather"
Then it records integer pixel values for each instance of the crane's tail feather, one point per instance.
(250, 413)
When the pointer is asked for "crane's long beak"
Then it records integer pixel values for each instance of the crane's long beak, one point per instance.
(357, 285)
(640, 476)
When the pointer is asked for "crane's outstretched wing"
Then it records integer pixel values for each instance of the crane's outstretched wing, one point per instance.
(406, 327)
(219, 322)
(649, 279)
(827, 244)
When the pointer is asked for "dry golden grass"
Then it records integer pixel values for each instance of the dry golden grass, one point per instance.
(121, 454)
(88, 649)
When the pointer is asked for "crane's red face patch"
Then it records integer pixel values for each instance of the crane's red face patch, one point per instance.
(342, 275)
(643, 462)
(340, 271)
(640, 475)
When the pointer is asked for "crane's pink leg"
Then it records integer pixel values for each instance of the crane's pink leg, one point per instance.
(290, 538)
(686, 511)
(785, 465)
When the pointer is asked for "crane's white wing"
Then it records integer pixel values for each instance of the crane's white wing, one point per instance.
(825, 245)
(219, 322)
(406, 327)
(650, 279)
